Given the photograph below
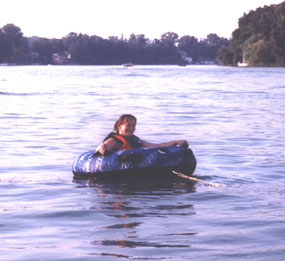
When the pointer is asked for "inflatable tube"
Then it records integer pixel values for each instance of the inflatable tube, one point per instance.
(133, 162)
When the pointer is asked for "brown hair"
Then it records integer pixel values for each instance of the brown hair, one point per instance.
(122, 119)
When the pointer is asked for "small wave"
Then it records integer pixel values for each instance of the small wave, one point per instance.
(136, 75)
(25, 93)
(278, 87)
(17, 94)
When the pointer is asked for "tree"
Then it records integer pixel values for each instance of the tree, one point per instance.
(205, 50)
(97, 50)
(14, 47)
(119, 52)
(260, 38)
(138, 40)
(43, 47)
(257, 51)
(189, 44)
(169, 38)
(2, 47)
(225, 56)
(212, 44)
(137, 46)
(77, 46)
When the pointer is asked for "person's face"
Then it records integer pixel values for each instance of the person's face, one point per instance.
(127, 128)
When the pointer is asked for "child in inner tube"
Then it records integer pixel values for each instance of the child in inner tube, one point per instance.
(123, 138)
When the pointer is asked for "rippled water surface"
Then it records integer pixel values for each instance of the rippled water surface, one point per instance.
(233, 119)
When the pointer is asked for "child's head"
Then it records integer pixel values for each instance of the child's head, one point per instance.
(123, 119)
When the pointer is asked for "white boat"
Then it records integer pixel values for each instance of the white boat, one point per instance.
(129, 64)
(242, 64)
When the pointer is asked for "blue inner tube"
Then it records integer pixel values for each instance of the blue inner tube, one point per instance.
(133, 162)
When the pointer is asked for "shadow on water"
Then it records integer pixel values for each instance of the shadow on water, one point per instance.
(169, 185)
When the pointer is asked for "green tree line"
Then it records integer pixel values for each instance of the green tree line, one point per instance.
(83, 49)
(259, 39)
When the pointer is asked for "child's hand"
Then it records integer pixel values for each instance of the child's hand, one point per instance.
(182, 143)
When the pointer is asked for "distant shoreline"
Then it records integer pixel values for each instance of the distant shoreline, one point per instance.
(83, 49)
(257, 42)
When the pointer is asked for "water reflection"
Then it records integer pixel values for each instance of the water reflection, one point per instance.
(127, 187)
(125, 225)
(145, 206)
(133, 244)
(124, 199)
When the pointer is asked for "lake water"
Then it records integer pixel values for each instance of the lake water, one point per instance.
(233, 119)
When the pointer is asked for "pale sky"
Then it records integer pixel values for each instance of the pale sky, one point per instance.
(57, 18)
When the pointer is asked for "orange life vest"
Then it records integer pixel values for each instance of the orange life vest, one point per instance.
(126, 145)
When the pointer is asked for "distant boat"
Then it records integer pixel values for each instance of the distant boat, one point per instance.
(129, 64)
(242, 64)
